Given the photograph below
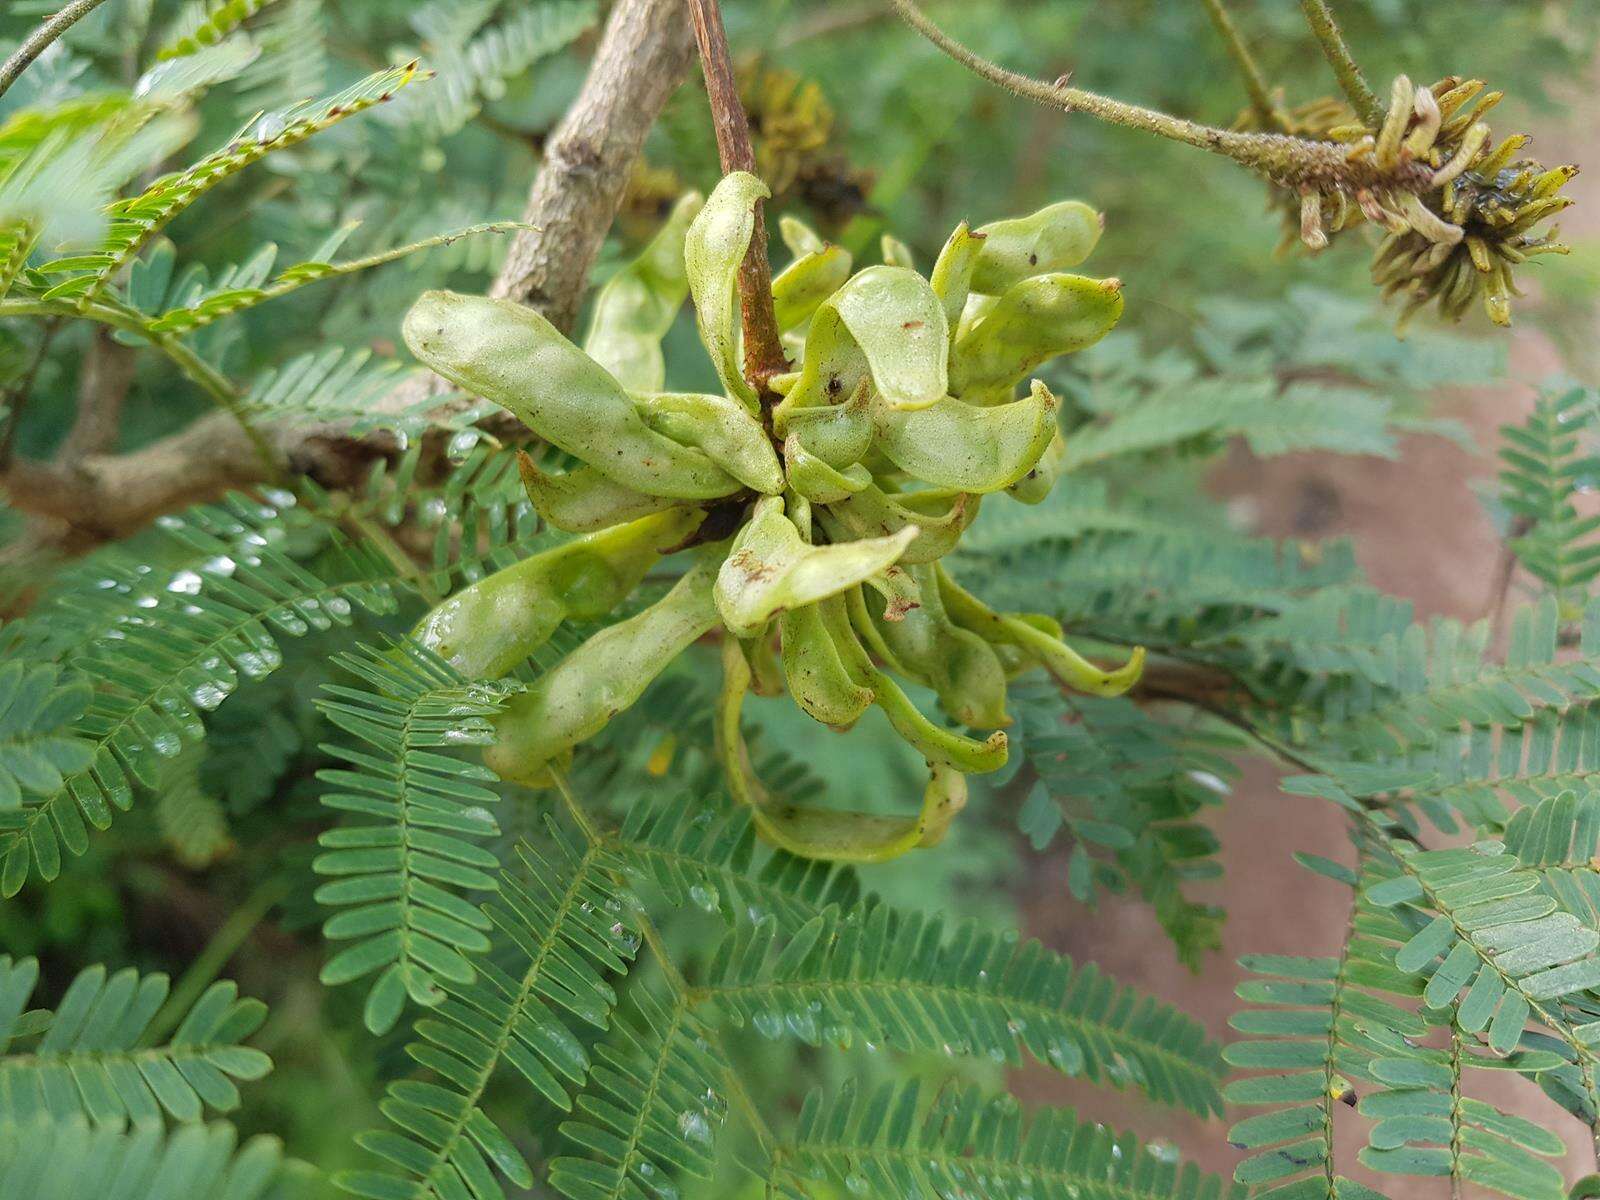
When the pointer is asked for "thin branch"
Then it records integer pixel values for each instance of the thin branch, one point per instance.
(763, 351)
(104, 378)
(1288, 161)
(1254, 82)
(41, 38)
(1326, 30)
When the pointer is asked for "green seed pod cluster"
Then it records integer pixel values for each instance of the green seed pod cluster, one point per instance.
(1460, 211)
(818, 517)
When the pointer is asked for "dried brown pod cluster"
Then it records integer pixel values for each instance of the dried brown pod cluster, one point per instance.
(1461, 211)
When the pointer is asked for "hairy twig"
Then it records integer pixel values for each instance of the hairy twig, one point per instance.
(41, 38)
(763, 352)
(1291, 162)
(1326, 30)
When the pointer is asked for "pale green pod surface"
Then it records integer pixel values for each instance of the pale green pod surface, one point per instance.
(507, 353)
(771, 568)
(827, 834)
(712, 252)
(967, 448)
(638, 304)
(951, 278)
(898, 589)
(584, 500)
(1036, 320)
(941, 747)
(958, 664)
(1038, 637)
(487, 629)
(896, 253)
(816, 480)
(817, 676)
(940, 515)
(575, 699)
(722, 428)
(806, 282)
(1056, 237)
(899, 324)
(799, 237)
(838, 434)
(1033, 487)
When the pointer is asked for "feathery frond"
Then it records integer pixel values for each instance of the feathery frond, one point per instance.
(1317, 1024)
(397, 879)
(561, 924)
(73, 1159)
(1545, 462)
(1559, 839)
(652, 1109)
(1127, 787)
(87, 1058)
(877, 1143)
(1493, 930)
(135, 220)
(247, 285)
(38, 710)
(480, 69)
(896, 978)
(696, 855)
(207, 24)
(161, 655)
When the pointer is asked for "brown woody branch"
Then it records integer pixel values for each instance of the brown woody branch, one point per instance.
(763, 351)
(642, 57)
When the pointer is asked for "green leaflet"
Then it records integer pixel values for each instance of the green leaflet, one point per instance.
(715, 246)
(638, 304)
(1055, 238)
(584, 500)
(486, 629)
(723, 428)
(507, 353)
(605, 675)
(771, 568)
(958, 445)
(1034, 321)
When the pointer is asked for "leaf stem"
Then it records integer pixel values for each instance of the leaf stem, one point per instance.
(1326, 30)
(763, 351)
(40, 39)
(1254, 82)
